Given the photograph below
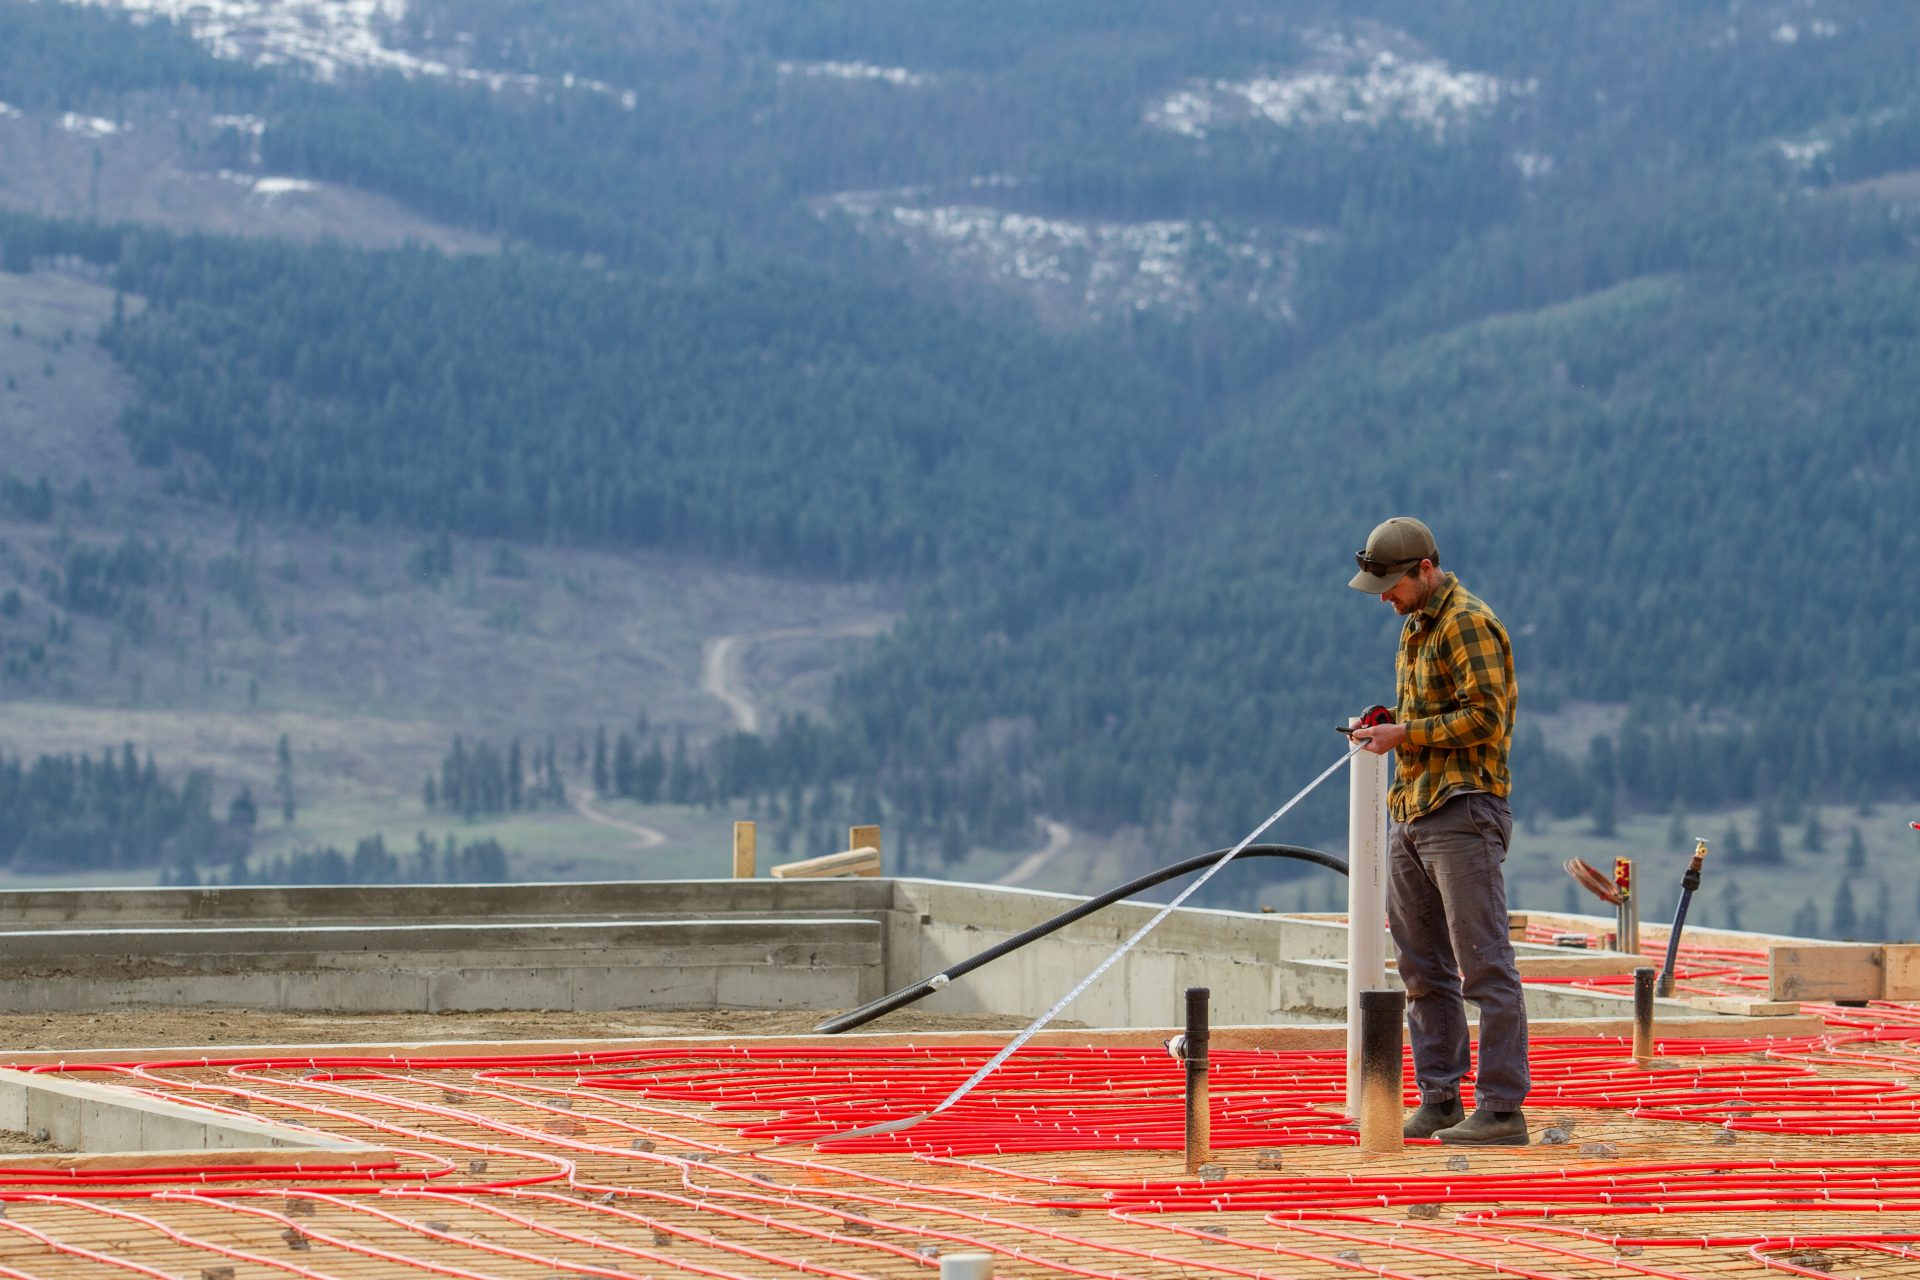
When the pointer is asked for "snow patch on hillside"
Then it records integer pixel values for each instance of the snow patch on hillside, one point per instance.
(898, 76)
(1804, 153)
(269, 188)
(1533, 165)
(1076, 270)
(1818, 29)
(252, 126)
(1357, 79)
(325, 36)
(88, 126)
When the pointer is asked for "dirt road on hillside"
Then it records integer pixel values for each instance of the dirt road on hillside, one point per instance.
(645, 837)
(720, 662)
(1059, 836)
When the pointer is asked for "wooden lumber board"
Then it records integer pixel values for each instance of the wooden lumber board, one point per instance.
(1577, 964)
(1743, 1006)
(1902, 971)
(852, 862)
(1826, 971)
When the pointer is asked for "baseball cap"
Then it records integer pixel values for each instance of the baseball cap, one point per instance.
(1394, 548)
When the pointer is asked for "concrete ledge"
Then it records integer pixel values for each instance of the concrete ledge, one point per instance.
(496, 903)
(768, 963)
(207, 946)
(98, 1117)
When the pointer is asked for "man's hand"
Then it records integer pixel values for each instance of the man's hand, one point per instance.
(1380, 738)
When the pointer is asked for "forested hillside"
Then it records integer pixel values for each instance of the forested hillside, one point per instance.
(772, 415)
(1105, 332)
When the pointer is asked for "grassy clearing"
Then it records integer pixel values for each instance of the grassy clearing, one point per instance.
(60, 393)
(547, 844)
(158, 170)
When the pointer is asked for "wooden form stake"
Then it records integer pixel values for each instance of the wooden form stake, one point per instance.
(743, 846)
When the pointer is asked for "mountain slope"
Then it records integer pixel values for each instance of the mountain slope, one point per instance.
(1619, 296)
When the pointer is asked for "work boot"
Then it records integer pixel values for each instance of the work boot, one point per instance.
(1488, 1128)
(1431, 1117)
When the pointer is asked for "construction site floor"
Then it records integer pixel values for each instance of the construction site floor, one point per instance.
(1742, 1155)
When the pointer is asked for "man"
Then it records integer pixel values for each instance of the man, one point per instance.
(1446, 897)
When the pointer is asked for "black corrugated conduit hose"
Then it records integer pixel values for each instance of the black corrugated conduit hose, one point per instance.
(927, 986)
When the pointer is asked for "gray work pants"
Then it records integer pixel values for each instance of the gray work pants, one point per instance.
(1447, 903)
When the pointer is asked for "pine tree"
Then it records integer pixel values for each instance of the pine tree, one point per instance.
(242, 812)
(1873, 921)
(1856, 850)
(1605, 825)
(625, 772)
(1767, 846)
(680, 785)
(1844, 922)
(1731, 844)
(1814, 839)
(283, 779)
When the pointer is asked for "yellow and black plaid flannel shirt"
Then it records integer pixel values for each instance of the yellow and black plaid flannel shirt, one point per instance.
(1454, 681)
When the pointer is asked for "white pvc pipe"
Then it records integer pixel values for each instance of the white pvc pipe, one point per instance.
(1366, 899)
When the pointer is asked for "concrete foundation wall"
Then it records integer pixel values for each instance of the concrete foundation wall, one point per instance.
(820, 944)
(406, 903)
(511, 952)
(1231, 953)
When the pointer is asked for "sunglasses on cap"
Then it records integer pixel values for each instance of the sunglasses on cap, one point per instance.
(1380, 568)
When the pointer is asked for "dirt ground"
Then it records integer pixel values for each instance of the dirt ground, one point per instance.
(15, 1143)
(145, 1028)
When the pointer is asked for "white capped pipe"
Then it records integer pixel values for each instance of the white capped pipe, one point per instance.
(1366, 898)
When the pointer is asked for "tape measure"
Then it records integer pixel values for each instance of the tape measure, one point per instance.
(1372, 716)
